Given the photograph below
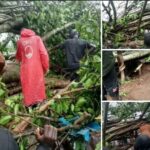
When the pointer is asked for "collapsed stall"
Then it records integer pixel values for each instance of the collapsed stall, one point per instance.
(120, 134)
(133, 70)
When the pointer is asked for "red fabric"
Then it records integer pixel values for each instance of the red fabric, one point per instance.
(34, 59)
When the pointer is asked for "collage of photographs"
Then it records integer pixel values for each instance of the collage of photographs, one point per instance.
(125, 75)
(74, 75)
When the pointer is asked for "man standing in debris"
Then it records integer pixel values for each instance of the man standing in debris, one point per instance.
(34, 59)
(74, 49)
(46, 138)
(110, 82)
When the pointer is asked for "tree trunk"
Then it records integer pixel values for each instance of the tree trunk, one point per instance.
(11, 72)
(8, 26)
(135, 55)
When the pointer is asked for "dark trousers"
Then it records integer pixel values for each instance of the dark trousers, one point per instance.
(7, 141)
(71, 74)
(43, 147)
(110, 85)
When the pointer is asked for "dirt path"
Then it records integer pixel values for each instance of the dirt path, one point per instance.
(138, 88)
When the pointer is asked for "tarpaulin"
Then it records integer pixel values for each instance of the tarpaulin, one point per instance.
(84, 131)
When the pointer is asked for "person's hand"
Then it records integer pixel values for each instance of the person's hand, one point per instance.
(50, 133)
(39, 135)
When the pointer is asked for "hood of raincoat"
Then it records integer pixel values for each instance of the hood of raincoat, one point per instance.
(27, 32)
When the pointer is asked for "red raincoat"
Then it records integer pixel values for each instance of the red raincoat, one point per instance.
(34, 59)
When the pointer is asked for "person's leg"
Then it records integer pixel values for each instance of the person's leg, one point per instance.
(7, 141)
(74, 76)
(43, 147)
(110, 83)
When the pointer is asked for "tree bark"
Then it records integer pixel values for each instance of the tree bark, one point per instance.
(121, 65)
(135, 55)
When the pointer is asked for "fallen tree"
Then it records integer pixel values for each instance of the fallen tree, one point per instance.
(134, 55)
(51, 83)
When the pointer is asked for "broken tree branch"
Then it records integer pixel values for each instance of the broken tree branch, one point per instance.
(40, 110)
(145, 110)
(53, 32)
(137, 54)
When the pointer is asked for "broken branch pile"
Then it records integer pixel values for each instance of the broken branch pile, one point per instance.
(123, 131)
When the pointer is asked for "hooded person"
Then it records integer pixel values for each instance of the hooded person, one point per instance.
(74, 49)
(34, 59)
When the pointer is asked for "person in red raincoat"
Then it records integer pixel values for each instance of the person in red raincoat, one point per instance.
(34, 59)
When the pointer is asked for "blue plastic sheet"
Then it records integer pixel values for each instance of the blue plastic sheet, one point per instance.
(94, 126)
(63, 121)
(84, 132)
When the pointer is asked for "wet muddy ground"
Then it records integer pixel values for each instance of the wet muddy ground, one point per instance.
(138, 87)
